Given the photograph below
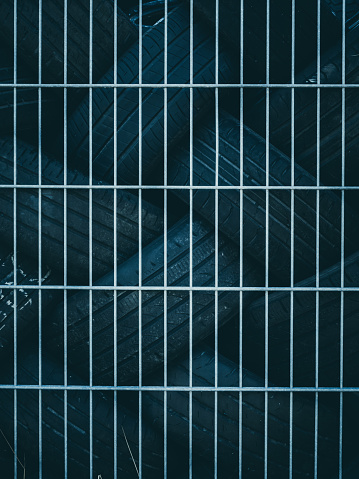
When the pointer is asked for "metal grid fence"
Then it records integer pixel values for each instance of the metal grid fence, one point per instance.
(67, 288)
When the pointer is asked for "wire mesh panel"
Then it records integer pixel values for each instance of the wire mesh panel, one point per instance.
(179, 265)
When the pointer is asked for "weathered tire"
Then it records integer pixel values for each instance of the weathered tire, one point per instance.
(254, 204)
(305, 117)
(27, 300)
(152, 12)
(78, 428)
(351, 9)
(52, 68)
(280, 40)
(152, 306)
(350, 472)
(304, 310)
(78, 16)
(178, 119)
(77, 216)
(26, 99)
(253, 414)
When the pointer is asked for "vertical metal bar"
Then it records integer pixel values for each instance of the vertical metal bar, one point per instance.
(216, 252)
(342, 246)
(15, 237)
(90, 238)
(140, 244)
(292, 206)
(165, 266)
(240, 432)
(317, 254)
(39, 233)
(65, 246)
(266, 247)
(190, 398)
(115, 334)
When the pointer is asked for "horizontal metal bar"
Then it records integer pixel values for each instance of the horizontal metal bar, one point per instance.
(181, 288)
(178, 187)
(61, 387)
(179, 85)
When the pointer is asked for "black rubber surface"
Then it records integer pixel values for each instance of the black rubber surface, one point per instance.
(26, 99)
(52, 54)
(152, 306)
(280, 34)
(304, 314)
(27, 300)
(252, 427)
(78, 21)
(305, 117)
(351, 8)
(350, 472)
(78, 428)
(152, 103)
(78, 219)
(254, 203)
(153, 11)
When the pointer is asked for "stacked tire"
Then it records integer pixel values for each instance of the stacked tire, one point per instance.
(207, 294)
